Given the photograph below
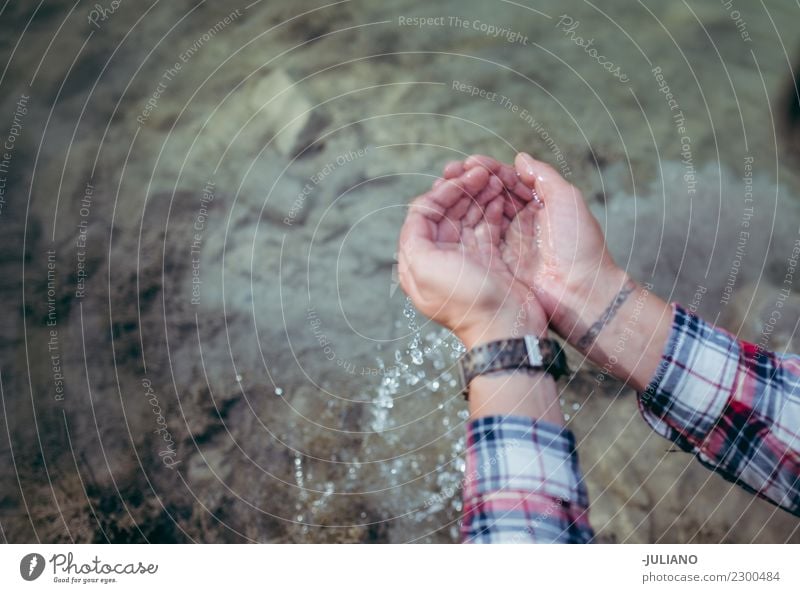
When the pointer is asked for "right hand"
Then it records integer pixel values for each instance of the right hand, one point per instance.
(573, 273)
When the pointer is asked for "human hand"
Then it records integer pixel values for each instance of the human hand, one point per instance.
(460, 257)
(569, 267)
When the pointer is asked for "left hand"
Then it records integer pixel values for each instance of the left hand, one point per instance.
(459, 251)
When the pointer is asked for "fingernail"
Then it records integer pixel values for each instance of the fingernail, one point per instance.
(529, 163)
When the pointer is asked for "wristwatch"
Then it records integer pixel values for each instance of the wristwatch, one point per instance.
(514, 353)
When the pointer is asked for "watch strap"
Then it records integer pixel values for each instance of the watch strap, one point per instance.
(511, 354)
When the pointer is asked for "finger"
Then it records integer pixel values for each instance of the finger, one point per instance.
(481, 160)
(436, 201)
(525, 221)
(418, 230)
(453, 169)
(493, 188)
(473, 215)
(487, 232)
(475, 212)
(514, 184)
(459, 209)
(538, 175)
(504, 225)
(468, 239)
(505, 172)
(449, 227)
(448, 230)
(493, 212)
(517, 204)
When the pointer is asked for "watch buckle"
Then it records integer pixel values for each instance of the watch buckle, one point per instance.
(535, 358)
(463, 378)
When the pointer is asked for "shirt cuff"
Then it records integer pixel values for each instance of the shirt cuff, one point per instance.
(523, 483)
(690, 389)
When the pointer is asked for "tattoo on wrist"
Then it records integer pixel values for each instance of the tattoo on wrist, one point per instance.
(591, 334)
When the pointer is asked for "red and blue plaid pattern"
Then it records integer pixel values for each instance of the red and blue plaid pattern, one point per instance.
(731, 403)
(523, 484)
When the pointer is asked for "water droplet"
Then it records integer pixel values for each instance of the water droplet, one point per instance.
(278, 391)
(239, 378)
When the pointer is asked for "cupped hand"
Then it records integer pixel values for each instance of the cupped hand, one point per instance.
(566, 262)
(460, 255)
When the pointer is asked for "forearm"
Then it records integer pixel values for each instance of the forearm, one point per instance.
(732, 404)
(522, 482)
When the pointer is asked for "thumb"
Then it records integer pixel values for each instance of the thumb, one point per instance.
(547, 182)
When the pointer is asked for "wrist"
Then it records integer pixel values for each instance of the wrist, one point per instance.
(584, 303)
(518, 393)
(500, 327)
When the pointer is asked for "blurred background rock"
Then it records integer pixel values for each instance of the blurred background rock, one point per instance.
(216, 189)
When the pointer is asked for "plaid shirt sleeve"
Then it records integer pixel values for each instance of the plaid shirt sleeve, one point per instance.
(732, 404)
(523, 484)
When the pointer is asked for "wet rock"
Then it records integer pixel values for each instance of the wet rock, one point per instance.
(281, 107)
